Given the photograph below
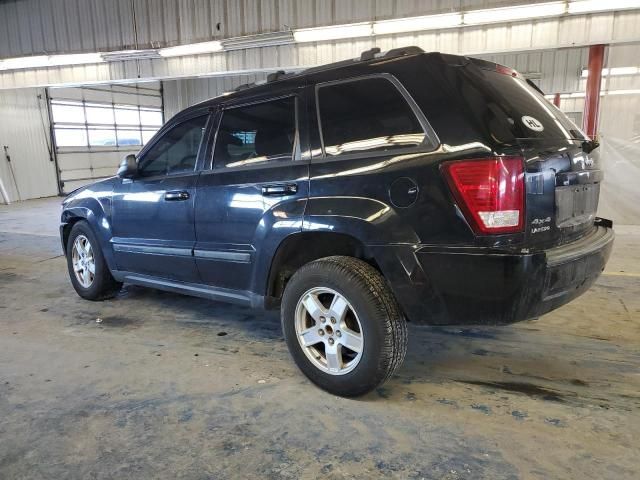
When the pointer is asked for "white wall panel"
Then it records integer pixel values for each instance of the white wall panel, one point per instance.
(24, 128)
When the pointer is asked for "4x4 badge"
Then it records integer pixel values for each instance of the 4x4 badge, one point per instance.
(532, 123)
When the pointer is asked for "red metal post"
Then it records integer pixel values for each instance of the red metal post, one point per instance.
(592, 98)
(556, 100)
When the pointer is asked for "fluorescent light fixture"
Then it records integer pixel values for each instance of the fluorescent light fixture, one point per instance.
(191, 49)
(413, 24)
(589, 6)
(270, 39)
(122, 55)
(635, 91)
(44, 61)
(335, 32)
(520, 12)
(614, 71)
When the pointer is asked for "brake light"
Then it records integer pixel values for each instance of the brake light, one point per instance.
(506, 70)
(490, 192)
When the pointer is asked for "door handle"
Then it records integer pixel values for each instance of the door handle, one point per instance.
(176, 196)
(279, 189)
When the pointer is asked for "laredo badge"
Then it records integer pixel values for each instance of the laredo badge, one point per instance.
(532, 123)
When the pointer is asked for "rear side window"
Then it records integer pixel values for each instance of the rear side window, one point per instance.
(368, 114)
(256, 133)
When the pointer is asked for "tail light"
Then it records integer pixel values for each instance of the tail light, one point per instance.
(490, 192)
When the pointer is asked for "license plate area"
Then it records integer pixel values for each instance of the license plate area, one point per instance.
(576, 204)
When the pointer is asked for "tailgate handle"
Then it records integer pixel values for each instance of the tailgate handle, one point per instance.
(176, 196)
(279, 189)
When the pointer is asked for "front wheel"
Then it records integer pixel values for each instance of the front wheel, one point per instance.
(88, 270)
(343, 326)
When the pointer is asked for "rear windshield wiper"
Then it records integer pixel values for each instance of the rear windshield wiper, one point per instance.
(589, 146)
(534, 86)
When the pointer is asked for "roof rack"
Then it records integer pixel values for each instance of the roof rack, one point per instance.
(400, 52)
(244, 86)
(279, 75)
(369, 54)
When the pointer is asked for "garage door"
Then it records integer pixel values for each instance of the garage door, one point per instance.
(94, 127)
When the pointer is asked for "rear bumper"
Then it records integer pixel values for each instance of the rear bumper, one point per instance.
(436, 285)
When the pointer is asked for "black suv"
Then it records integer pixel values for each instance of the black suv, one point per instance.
(399, 186)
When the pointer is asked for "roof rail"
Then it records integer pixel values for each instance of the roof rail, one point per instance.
(369, 54)
(399, 52)
(244, 86)
(272, 77)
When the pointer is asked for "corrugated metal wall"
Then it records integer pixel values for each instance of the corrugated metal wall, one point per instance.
(25, 131)
(52, 26)
(83, 25)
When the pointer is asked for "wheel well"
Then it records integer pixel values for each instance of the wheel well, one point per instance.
(300, 249)
(66, 230)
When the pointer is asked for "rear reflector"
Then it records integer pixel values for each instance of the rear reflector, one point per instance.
(490, 192)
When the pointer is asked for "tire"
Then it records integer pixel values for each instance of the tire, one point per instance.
(100, 285)
(371, 309)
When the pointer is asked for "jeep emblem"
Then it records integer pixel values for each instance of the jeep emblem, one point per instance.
(532, 124)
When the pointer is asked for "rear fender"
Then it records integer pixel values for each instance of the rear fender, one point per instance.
(370, 221)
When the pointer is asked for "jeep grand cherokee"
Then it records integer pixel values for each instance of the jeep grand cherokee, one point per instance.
(399, 186)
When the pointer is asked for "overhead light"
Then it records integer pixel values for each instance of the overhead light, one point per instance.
(614, 71)
(271, 39)
(413, 24)
(336, 32)
(520, 12)
(635, 91)
(123, 55)
(191, 49)
(44, 61)
(588, 6)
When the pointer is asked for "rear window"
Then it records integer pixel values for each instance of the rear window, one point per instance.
(511, 107)
(364, 115)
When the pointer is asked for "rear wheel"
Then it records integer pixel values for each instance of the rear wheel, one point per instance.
(88, 271)
(343, 326)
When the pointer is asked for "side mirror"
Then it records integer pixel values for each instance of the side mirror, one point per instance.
(128, 167)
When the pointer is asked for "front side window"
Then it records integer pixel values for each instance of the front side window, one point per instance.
(176, 151)
(256, 133)
(369, 114)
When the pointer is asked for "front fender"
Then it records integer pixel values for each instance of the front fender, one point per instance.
(93, 205)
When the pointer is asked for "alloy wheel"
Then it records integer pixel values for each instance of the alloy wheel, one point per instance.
(329, 331)
(84, 265)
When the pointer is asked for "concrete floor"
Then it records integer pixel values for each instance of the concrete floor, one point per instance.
(165, 386)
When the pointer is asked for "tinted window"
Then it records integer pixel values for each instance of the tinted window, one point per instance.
(509, 107)
(364, 115)
(176, 151)
(256, 133)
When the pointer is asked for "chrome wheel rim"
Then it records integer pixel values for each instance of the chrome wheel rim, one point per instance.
(329, 331)
(82, 259)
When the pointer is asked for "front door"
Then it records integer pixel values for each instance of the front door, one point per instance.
(254, 195)
(153, 213)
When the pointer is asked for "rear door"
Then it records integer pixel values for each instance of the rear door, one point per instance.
(255, 192)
